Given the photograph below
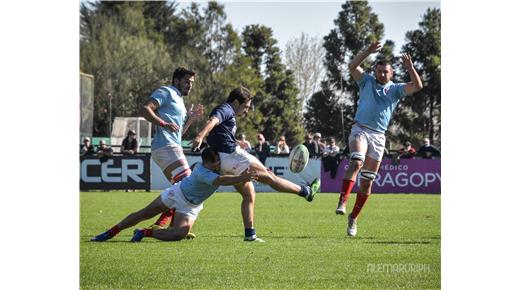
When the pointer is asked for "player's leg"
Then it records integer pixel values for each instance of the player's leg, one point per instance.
(375, 151)
(175, 167)
(240, 160)
(176, 171)
(173, 172)
(247, 190)
(154, 208)
(185, 216)
(180, 229)
(358, 147)
(281, 184)
(367, 176)
(235, 163)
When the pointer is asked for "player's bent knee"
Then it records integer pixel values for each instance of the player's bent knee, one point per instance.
(178, 173)
(184, 232)
(180, 233)
(354, 165)
(357, 156)
(356, 160)
(174, 234)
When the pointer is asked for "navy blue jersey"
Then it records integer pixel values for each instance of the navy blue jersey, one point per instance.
(222, 137)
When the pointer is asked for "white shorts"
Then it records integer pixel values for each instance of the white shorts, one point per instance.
(236, 162)
(169, 154)
(373, 141)
(173, 197)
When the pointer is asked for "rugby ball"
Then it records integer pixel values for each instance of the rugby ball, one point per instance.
(298, 158)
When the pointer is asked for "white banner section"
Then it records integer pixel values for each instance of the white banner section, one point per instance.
(278, 165)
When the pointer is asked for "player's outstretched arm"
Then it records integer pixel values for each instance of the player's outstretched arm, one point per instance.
(415, 84)
(245, 176)
(354, 66)
(210, 124)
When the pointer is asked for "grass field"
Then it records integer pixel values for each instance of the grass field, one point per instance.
(398, 245)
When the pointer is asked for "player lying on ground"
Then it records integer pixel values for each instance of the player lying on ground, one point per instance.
(186, 196)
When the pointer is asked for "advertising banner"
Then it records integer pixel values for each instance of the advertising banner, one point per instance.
(140, 172)
(409, 176)
(117, 172)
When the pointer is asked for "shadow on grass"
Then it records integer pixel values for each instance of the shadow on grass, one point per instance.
(109, 241)
(363, 238)
(432, 238)
(288, 237)
(224, 236)
(401, 242)
(261, 236)
(146, 241)
(86, 239)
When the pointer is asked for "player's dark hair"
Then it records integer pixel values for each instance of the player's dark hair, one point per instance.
(241, 94)
(383, 62)
(180, 72)
(209, 155)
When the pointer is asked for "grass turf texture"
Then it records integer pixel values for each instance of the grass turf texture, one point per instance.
(306, 245)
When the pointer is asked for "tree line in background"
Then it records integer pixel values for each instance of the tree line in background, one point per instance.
(131, 48)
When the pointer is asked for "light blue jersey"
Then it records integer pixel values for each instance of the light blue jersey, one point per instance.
(171, 110)
(377, 102)
(198, 186)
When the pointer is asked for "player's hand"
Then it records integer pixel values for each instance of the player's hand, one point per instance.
(171, 126)
(249, 175)
(407, 61)
(375, 47)
(195, 144)
(196, 112)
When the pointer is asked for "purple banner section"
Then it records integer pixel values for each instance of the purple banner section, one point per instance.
(409, 176)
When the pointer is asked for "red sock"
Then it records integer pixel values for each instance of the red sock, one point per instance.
(165, 218)
(173, 216)
(361, 199)
(180, 176)
(147, 232)
(114, 230)
(346, 188)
